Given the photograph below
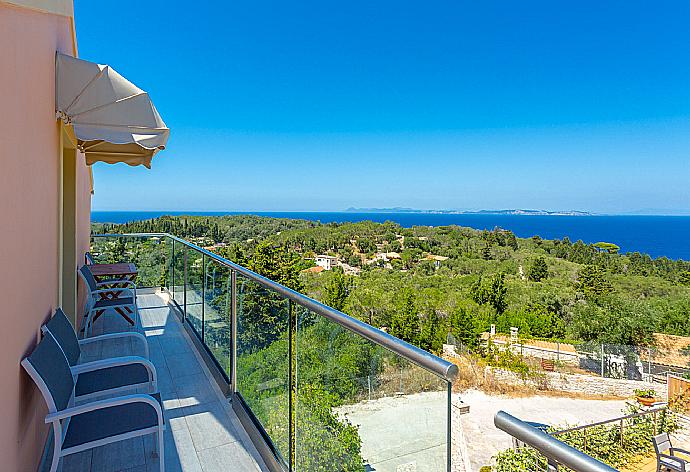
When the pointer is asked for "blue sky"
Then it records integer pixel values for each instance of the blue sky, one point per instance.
(445, 104)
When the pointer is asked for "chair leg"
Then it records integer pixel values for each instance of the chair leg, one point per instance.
(154, 453)
(161, 451)
(57, 448)
(137, 319)
(89, 324)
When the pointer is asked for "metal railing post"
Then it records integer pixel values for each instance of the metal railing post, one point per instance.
(203, 296)
(162, 247)
(184, 318)
(292, 379)
(172, 276)
(233, 330)
(558, 351)
(649, 365)
(449, 428)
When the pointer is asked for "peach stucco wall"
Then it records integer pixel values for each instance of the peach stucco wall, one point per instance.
(29, 216)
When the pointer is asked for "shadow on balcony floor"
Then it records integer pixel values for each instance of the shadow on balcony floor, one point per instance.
(203, 433)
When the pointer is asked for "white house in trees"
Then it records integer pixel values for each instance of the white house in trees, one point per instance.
(327, 262)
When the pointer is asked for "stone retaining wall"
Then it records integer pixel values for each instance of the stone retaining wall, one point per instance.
(578, 383)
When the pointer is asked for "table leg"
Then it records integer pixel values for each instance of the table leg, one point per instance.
(124, 315)
(97, 315)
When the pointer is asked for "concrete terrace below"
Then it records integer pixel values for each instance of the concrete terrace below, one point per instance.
(203, 433)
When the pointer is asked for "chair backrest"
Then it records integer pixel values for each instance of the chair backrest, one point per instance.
(88, 259)
(662, 443)
(49, 369)
(88, 277)
(63, 332)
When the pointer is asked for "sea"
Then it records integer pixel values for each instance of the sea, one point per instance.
(658, 236)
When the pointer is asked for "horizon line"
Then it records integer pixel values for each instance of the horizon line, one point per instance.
(679, 213)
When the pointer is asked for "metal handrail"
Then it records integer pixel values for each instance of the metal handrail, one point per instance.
(441, 367)
(556, 452)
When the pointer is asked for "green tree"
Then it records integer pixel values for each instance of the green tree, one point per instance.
(613, 320)
(409, 257)
(326, 442)
(336, 290)
(117, 252)
(511, 241)
(479, 291)
(405, 320)
(498, 292)
(326, 349)
(366, 245)
(431, 335)
(354, 260)
(234, 253)
(684, 277)
(278, 264)
(609, 248)
(592, 281)
(492, 292)
(264, 315)
(461, 324)
(539, 270)
(368, 302)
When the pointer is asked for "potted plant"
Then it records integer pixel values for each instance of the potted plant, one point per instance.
(645, 397)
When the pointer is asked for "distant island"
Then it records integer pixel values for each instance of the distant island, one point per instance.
(469, 212)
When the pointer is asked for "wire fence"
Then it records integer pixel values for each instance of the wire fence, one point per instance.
(616, 361)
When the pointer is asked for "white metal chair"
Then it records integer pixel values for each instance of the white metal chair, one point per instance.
(92, 424)
(61, 328)
(105, 376)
